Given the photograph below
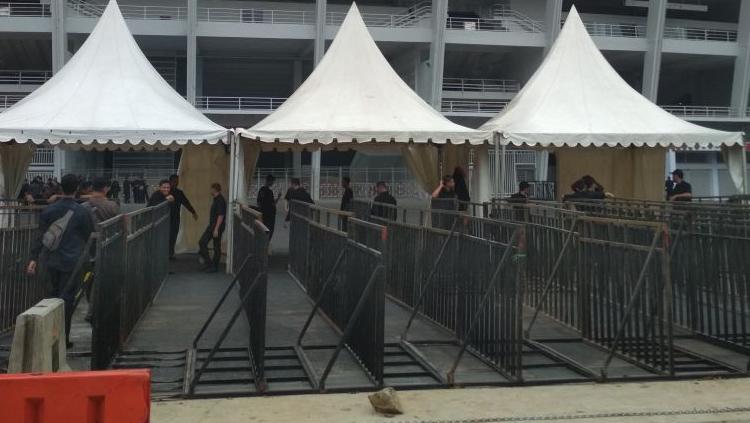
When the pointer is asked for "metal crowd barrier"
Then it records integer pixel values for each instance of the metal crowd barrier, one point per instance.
(350, 291)
(250, 269)
(462, 273)
(18, 292)
(131, 263)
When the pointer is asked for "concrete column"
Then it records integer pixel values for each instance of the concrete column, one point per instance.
(657, 15)
(192, 49)
(199, 76)
(320, 30)
(437, 51)
(59, 36)
(297, 72)
(552, 19)
(741, 82)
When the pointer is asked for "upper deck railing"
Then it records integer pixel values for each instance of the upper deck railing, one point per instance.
(473, 106)
(259, 16)
(700, 34)
(502, 21)
(239, 103)
(481, 85)
(624, 30)
(162, 13)
(24, 77)
(7, 100)
(23, 10)
(413, 17)
(700, 111)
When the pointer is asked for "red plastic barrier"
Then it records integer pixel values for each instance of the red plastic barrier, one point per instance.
(117, 396)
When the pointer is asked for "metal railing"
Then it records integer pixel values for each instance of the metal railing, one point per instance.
(700, 34)
(626, 30)
(506, 24)
(12, 9)
(24, 77)
(132, 259)
(8, 100)
(473, 106)
(264, 104)
(250, 270)
(259, 16)
(481, 85)
(700, 111)
(345, 273)
(43, 156)
(85, 9)
(414, 17)
(18, 291)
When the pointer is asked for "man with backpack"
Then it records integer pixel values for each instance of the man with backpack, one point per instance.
(64, 229)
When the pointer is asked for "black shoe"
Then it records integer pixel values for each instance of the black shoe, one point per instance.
(69, 345)
(88, 318)
(211, 270)
(172, 258)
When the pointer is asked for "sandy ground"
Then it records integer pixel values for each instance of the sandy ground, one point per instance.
(688, 401)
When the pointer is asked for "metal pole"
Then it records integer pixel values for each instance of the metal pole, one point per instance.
(496, 179)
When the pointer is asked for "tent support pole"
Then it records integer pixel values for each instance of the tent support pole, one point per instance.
(498, 167)
(745, 181)
(232, 198)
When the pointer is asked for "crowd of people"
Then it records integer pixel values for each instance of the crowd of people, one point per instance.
(39, 191)
(75, 205)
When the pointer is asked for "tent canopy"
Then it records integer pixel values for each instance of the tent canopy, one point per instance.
(576, 98)
(108, 93)
(354, 96)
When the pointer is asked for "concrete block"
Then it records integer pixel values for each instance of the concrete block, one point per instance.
(39, 339)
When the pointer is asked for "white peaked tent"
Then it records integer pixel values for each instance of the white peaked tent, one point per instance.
(576, 101)
(353, 97)
(108, 93)
(109, 96)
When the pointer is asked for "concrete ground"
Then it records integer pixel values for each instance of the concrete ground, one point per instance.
(683, 401)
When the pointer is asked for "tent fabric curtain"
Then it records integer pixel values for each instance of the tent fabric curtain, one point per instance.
(734, 157)
(200, 166)
(14, 162)
(541, 165)
(455, 155)
(249, 153)
(422, 160)
(481, 176)
(631, 172)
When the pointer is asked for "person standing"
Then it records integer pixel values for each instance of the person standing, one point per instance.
(214, 230)
(461, 188)
(296, 192)
(382, 202)
(126, 190)
(64, 229)
(348, 196)
(162, 194)
(682, 191)
(522, 196)
(444, 199)
(101, 209)
(180, 201)
(267, 204)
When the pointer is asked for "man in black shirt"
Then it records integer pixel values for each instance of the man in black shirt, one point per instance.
(61, 260)
(348, 197)
(296, 193)
(214, 230)
(180, 201)
(383, 197)
(682, 191)
(444, 198)
(267, 204)
(126, 190)
(161, 195)
(522, 195)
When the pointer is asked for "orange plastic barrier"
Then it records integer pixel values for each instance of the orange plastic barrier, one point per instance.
(117, 396)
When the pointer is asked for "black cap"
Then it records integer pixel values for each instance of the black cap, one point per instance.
(678, 172)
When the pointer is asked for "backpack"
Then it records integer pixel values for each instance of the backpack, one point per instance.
(54, 234)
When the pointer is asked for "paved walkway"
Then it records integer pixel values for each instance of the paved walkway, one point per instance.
(685, 401)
